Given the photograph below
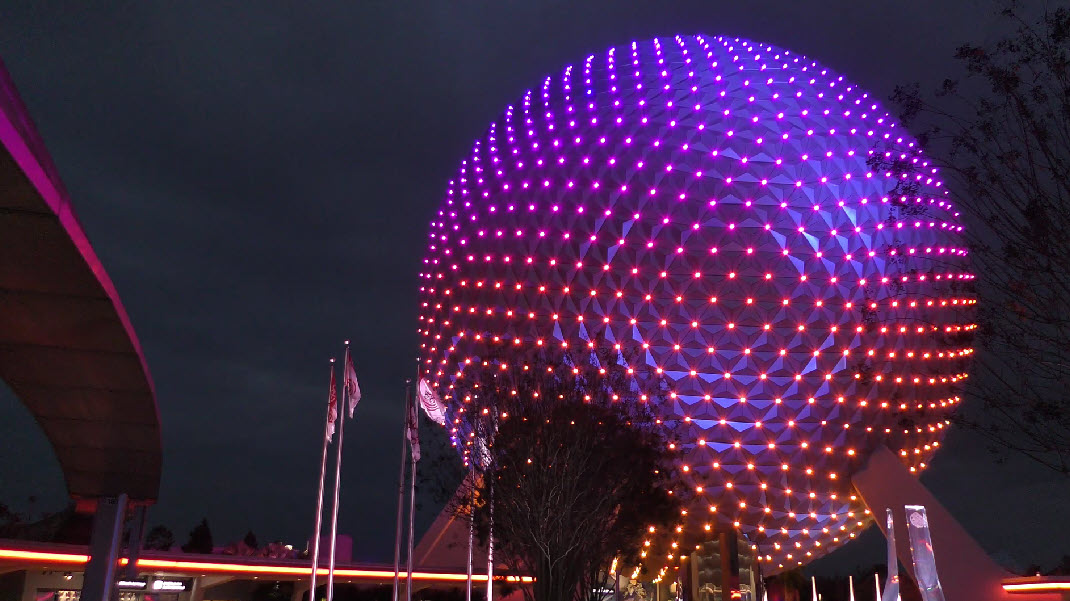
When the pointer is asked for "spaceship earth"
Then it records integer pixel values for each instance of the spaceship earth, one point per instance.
(754, 226)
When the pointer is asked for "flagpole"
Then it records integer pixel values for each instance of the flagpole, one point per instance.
(319, 500)
(401, 491)
(471, 524)
(412, 498)
(490, 532)
(337, 483)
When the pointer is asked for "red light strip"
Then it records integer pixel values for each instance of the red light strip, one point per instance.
(1037, 587)
(43, 556)
(239, 568)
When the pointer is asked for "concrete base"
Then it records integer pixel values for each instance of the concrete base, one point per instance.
(967, 573)
(202, 584)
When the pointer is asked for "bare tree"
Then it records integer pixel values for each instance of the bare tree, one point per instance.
(578, 466)
(1001, 135)
(160, 538)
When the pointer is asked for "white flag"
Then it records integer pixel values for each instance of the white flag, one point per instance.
(431, 402)
(352, 388)
(332, 408)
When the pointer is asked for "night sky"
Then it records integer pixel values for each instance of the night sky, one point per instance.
(258, 180)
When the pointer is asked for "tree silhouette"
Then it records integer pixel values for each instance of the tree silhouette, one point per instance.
(160, 538)
(578, 466)
(1001, 136)
(200, 539)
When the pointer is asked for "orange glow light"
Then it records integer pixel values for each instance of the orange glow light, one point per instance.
(237, 568)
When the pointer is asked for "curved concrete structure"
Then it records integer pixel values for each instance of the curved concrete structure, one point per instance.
(67, 348)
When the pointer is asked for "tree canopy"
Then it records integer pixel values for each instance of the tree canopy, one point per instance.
(571, 462)
(159, 538)
(200, 539)
(1000, 133)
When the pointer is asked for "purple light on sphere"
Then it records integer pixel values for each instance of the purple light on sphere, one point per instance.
(706, 202)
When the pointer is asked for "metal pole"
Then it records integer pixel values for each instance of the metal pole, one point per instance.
(319, 501)
(401, 491)
(490, 545)
(471, 526)
(412, 499)
(337, 485)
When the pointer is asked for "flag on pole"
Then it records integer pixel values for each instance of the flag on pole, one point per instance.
(482, 453)
(431, 402)
(413, 433)
(332, 409)
(352, 387)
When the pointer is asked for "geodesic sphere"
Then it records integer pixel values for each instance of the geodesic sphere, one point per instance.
(713, 206)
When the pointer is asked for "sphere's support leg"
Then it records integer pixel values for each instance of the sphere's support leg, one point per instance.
(729, 545)
(966, 572)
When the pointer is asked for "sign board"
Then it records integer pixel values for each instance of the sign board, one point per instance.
(168, 585)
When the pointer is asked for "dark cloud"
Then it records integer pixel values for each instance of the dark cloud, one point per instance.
(257, 180)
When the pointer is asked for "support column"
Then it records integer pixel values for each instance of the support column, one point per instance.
(203, 583)
(133, 546)
(300, 588)
(99, 580)
(728, 543)
(689, 579)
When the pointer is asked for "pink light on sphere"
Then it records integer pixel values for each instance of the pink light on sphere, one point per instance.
(738, 239)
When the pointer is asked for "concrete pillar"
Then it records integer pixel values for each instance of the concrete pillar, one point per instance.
(133, 547)
(300, 588)
(99, 581)
(689, 579)
(728, 543)
(203, 583)
(753, 587)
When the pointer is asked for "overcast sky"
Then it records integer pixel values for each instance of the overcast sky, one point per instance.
(258, 179)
